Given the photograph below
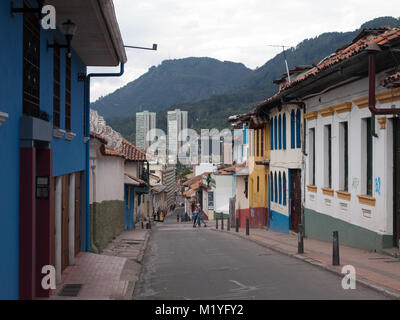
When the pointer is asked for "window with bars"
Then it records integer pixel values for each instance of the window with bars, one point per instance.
(67, 93)
(284, 189)
(271, 134)
(56, 86)
(298, 133)
(284, 131)
(280, 131)
(292, 129)
(312, 156)
(328, 156)
(258, 142)
(31, 65)
(262, 142)
(369, 155)
(272, 187)
(344, 156)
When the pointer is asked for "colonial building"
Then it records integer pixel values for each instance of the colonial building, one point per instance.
(44, 134)
(284, 177)
(350, 177)
(256, 131)
(119, 184)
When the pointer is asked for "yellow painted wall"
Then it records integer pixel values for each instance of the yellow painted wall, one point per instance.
(258, 195)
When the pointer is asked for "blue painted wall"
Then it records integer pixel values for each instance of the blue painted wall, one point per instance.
(68, 157)
(11, 103)
(279, 222)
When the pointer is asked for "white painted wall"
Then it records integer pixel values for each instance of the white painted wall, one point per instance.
(381, 216)
(289, 158)
(222, 192)
(241, 201)
(107, 175)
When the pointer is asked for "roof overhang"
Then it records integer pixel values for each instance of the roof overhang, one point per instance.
(346, 71)
(98, 40)
(130, 181)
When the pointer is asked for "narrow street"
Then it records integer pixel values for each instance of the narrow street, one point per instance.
(185, 263)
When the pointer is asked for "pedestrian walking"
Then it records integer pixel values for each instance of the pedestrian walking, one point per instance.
(194, 215)
(200, 217)
(158, 215)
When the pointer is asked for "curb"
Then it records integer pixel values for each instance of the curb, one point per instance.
(366, 283)
(132, 284)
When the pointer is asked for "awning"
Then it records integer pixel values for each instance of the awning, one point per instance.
(129, 181)
(98, 40)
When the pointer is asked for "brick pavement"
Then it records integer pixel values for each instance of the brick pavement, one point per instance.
(110, 275)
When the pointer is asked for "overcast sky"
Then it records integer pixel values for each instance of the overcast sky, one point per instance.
(232, 30)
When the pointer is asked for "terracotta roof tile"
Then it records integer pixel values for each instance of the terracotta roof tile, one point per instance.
(132, 152)
(136, 179)
(381, 36)
(392, 80)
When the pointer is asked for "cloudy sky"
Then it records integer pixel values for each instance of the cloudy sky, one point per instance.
(233, 30)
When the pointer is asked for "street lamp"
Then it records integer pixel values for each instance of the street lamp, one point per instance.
(143, 48)
(68, 28)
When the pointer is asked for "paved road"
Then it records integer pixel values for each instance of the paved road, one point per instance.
(186, 263)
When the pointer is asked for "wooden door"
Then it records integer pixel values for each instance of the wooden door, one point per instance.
(78, 193)
(396, 182)
(295, 199)
(65, 223)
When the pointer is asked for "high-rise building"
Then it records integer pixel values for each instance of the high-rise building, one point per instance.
(177, 121)
(145, 121)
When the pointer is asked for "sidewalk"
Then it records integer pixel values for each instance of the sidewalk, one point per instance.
(377, 271)
(110, 275)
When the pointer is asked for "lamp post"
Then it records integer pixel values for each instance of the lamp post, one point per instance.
(68, 28)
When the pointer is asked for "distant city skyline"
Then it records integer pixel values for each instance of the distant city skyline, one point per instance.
(145, 122)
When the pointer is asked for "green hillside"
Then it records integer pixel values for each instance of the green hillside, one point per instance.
(174, 81)
(213, 112)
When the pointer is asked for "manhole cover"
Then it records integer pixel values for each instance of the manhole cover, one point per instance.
(70, 290)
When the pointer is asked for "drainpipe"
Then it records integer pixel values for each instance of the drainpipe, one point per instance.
(87, 135)
(372, 50)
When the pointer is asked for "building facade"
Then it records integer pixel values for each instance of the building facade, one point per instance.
(145, 122)
(43, 145)
(285, 168)
(177, 121)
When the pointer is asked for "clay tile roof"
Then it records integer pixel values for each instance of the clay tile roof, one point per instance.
(132, 152)
(136, 179)
(153, 176)
(109, 152)
(232, 169)
(195, 179)
(392, 80)
(380, 36)
(98, 137)
(189, 193)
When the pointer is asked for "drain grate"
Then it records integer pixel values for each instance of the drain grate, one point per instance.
(70, 290)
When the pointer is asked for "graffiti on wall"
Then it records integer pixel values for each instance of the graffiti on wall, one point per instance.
(378, 185)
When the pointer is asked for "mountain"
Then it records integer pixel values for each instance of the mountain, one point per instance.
(213, 112)
(172, 82)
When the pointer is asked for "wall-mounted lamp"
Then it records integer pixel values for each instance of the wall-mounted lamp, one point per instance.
(27, 10)
(69, 30)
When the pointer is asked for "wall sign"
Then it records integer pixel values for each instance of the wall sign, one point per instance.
(42, 187)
